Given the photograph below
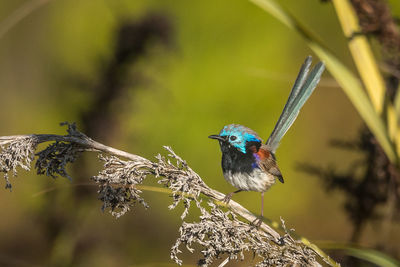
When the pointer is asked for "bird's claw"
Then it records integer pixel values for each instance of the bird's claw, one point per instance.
(257, 221)
(227, 198)
(280, 241)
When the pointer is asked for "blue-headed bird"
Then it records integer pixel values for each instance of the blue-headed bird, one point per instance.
(247, 163)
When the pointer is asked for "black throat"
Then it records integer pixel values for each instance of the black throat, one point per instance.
(235, 161)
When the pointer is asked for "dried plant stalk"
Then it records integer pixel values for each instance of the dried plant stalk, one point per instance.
(220, 233)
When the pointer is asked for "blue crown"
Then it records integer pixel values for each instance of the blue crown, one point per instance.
(242, 134)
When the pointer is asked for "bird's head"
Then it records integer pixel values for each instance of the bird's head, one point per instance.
(237, 136)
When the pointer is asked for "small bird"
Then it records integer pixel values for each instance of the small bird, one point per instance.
(247, 163)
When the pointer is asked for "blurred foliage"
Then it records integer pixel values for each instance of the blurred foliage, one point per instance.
(374, 181)
(369, 255)
(229, 62)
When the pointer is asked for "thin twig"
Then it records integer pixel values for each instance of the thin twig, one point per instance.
(224, 262)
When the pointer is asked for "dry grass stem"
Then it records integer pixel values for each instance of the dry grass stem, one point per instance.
(220, 232)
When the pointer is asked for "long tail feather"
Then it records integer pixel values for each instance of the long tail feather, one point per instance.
(301, 91)
(298, 84)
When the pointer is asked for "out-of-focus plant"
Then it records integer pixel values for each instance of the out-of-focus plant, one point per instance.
(19, 14)
(370, 255)
(369, 107)
(377, 102)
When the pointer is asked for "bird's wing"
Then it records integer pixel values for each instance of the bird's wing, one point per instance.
(267, 163)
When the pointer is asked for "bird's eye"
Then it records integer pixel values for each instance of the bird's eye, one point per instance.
(233, 138)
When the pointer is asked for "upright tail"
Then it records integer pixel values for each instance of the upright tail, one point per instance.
(301, 91)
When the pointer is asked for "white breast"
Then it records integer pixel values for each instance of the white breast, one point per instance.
(258, 180)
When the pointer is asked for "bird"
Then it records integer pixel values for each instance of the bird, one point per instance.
(248, 163)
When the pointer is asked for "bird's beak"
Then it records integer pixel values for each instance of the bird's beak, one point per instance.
(218, 137)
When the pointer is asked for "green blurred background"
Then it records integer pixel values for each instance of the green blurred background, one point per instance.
(226, 62)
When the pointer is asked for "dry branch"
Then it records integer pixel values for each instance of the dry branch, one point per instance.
(219, 233)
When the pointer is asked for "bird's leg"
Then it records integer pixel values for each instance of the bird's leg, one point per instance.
(228, 196)
(262, 204)
(257, 222)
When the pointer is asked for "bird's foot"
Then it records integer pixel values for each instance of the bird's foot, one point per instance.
(227, 198)
(280, 241)
(258, 221)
